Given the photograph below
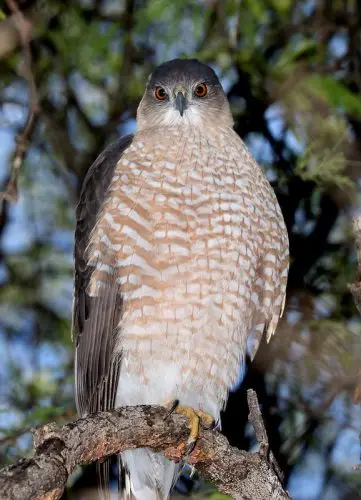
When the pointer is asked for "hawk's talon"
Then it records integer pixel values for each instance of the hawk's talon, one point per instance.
(192, 471)
(172, 408)
(207, 421)
(190, 446)
(215, 425)
(195, 417)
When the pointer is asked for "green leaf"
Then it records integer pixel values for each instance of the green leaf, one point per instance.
(258, 9)
(325, 167)
(335, 93)
(294, 51)
(281, 6)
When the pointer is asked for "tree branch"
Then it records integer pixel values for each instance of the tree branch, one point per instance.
(24, 28)
(255, 417)
(60, 449)
(39, 15)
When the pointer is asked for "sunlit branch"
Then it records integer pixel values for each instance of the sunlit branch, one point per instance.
(58, 450)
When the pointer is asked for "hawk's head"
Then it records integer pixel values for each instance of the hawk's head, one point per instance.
(183, 91)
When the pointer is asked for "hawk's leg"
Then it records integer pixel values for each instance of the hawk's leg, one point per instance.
(195, 417)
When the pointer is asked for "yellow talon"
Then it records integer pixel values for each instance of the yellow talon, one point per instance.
(195, 418)
(206, 419)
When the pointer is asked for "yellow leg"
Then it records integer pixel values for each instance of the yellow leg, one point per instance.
(206, 419)
(195, 417)
(193, 425)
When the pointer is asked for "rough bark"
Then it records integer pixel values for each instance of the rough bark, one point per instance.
(58, 451)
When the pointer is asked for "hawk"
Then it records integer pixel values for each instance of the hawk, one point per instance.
(181, 262)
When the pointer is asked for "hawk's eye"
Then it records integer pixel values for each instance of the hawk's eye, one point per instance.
(160, 93)
(201, 90)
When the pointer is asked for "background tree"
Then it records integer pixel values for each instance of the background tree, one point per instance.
(292, 71)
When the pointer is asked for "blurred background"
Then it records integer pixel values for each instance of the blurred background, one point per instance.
(292, 72)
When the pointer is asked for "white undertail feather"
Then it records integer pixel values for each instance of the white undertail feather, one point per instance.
(149, 476)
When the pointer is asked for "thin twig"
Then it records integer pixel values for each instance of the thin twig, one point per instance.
(22, 141)
(255, 418)
(16, 433)
(355, 287)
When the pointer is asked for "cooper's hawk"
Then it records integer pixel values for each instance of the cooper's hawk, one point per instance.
(181, 260)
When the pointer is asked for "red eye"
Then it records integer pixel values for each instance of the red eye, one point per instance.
(160, 93)
(201, 90)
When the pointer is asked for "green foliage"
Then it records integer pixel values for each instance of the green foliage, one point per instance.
(323, 166)
(282, 6)
(257, 9)
(165, 21)
(314, 107)
(294, 51)
(335, 93)
(93, 56)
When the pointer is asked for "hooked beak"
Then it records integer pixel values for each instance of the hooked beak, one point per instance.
(180, 103)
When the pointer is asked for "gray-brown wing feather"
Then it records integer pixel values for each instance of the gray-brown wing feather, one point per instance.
(95, 319)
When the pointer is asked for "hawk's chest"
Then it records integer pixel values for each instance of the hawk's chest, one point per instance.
(182, 197)
(180, 216)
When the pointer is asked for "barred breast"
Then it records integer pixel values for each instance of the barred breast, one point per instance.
(193, 233)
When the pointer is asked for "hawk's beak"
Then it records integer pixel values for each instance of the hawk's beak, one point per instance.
(180, 103)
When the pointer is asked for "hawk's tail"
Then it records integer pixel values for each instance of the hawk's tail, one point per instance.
(147, 475)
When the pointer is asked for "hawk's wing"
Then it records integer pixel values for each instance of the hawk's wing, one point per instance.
(270, 283)
(95, 319)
